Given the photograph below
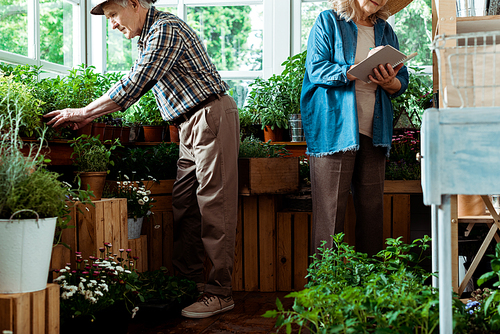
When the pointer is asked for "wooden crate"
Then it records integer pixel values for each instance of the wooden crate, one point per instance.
(106, 221)
(139, 249)
(32, 312)
(259, 176)
(159, 227)
(255, 254)
(61, 255)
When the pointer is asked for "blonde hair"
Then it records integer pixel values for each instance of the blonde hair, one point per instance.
(350, 10)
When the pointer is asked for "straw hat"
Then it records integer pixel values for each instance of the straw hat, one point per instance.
(394, 6)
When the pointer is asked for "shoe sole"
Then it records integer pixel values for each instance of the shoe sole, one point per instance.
(201, 315)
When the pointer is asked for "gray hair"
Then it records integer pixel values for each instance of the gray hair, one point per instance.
(144, 3)
(350, 10)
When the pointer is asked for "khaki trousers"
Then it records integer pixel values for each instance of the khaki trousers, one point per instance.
(205, 195)
(332, 177)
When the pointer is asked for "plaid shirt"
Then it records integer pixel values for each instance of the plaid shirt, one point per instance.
(174, 62)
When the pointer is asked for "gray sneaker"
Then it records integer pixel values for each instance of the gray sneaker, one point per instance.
(208, 305)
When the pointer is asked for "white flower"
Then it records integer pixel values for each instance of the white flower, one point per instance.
(93, 281)
(128, 272)
(62, 270)
(141, 202)
(145, 199)
(118, 182)
(148, 192)
(119, 268)
(57, 279)
(82, 279)
(125, 176)
(134, 311)
(99, 293)
(125, 183)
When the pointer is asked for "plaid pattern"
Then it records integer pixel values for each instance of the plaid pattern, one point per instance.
(174, 62)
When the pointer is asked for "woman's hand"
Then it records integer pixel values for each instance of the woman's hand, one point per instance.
(385, 77)
(73, 118)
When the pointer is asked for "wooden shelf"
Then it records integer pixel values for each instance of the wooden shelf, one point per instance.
(478, 24)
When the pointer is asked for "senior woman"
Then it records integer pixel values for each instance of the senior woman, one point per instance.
(347, 122)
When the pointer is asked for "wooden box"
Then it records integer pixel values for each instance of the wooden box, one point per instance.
(259, 176)
(139, 249)
(32, 312)
(159, 227)
(105, 221)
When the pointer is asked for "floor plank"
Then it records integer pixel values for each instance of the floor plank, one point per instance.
(246, 317)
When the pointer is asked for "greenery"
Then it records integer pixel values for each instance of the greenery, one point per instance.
(351, 293)
(413, 101)
(137, 194)
(27, 105)
(90, 154)
(158, 285)
(158, 162)
(27, 188)
(252, 147)
(271, 101)
(148, 113)
(97, 283)
(402, 163)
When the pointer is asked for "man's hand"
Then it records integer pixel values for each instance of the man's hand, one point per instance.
(73, 118)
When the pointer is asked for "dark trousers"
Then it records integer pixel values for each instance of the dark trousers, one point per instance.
(332, 177)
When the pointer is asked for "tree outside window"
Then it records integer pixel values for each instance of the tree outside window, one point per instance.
(14, 26)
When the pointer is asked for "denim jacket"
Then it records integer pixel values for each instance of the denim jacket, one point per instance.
(328, 99)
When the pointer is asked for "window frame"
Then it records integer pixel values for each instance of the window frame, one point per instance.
(34, 56)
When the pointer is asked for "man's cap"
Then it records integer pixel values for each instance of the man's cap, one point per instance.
(97, 7)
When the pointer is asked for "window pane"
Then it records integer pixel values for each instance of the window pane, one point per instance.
(309, 13)
(231, 34)
(239, 90)
(14, 26)
(56, 32)
(413, 28)
(122, 52)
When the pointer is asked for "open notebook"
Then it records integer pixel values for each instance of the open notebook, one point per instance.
(387, 54)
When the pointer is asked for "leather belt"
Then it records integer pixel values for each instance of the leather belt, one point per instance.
(187, 115)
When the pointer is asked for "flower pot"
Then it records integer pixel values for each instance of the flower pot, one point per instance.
(134, 227)
(26, 248)
(124, 134)
(86, 130)
(108, 132)
(295, 127)
(174, 133)
(153, 133)
(273, 135)
(98, 129)
(95, 180)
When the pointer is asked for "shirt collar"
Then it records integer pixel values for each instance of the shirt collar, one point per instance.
(147, 24)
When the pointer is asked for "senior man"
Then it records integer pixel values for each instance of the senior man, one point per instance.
(189, 92)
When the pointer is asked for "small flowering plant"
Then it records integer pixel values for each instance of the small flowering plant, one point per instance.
(139, 200)
(402, 163)
(97, 283)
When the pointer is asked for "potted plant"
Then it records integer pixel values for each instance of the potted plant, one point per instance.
(139, 202)
(263, 168)
(272, 101)
(100, 294)
(92, 158)
(31, 201)
(151, 120)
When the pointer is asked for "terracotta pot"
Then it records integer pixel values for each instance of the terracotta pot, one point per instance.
(470, 205)
(153, 133)
(124, 134)
(95, 180)
(174, 133)
(108, 133)
(273, 135)
(98, 129)
(86, 130)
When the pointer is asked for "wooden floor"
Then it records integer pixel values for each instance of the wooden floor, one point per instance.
(246, 317)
